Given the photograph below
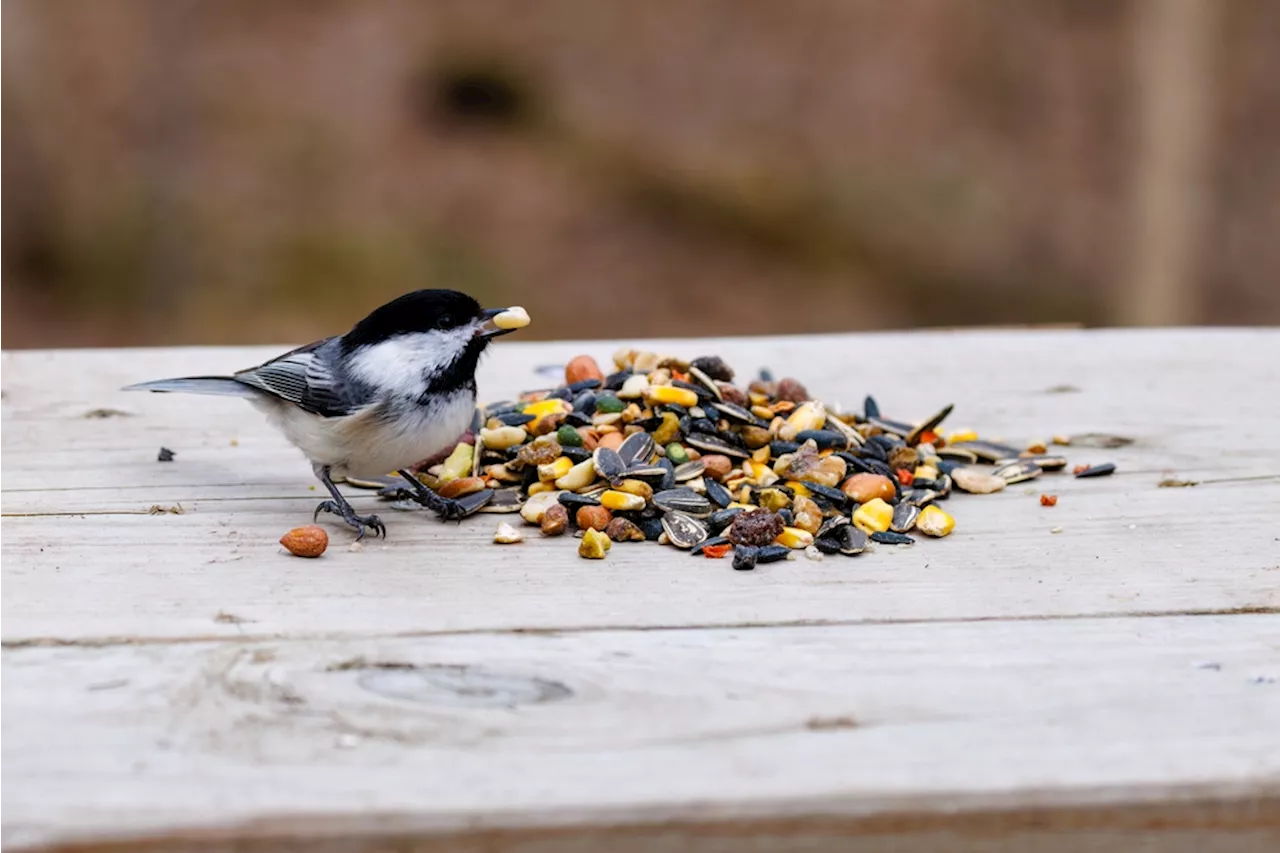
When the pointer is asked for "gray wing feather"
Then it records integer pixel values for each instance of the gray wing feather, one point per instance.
(222, 386)
(302, 377)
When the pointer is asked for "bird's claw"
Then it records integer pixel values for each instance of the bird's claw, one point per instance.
(362, 523)
(450, 510)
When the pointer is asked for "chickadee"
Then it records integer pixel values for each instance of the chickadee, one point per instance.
(396, 389)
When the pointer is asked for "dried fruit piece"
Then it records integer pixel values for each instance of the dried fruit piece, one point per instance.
(1048, 500)
(594, 545)
(555, 520)
(624, 530)
(540, 451)
(309, 541)
(755, 527)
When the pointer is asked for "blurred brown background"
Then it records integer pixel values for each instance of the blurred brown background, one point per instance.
(178, 171)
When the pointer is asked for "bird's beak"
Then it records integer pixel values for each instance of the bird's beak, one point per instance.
(501, 321)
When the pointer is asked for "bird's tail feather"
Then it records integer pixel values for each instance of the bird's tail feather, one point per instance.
(223, 386)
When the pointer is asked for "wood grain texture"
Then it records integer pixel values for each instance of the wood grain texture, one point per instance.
(175, 681)
(86, 561)
(419, 736)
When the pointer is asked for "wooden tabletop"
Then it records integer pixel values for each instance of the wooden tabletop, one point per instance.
(170, 674)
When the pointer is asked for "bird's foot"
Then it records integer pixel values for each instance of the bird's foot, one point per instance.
(447, 508)
(362, 523)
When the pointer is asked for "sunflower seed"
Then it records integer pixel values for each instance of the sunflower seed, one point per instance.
(683, 531)
(714, 444)
(637, 449)
(685, 501)
(608, 463)
(904, 517)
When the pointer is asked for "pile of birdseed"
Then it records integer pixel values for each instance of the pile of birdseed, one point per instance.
(672, 451)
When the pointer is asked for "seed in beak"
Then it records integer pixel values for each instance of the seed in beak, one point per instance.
(510, 319)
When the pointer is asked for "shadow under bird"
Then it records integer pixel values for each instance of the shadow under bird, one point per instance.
(396, 389)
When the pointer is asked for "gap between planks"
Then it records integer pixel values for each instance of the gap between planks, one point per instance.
(311, 636)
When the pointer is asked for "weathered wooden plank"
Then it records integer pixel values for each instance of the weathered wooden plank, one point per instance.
(1127, 546)
(169, 575)
(807, 731)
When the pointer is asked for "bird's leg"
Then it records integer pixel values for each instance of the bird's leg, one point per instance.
(447, 508)
(339, 506)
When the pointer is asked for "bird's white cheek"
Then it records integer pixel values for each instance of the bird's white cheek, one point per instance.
(401, 365)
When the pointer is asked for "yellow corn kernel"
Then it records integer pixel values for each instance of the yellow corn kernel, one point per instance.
(925, 472)
(756, 398)
(594, 545)
(773, 499)
(935, 522)
(615, 500)
(761, 455)
(794, 537)
(636, 487)
(578, 477)
(458, 464)
(555, 469)
(873, 516)
(672, 395)
(758, 473)
(961, 435)
(540, 487)
(764, 413)
(552, 406)
(800, 489)
(808, 416)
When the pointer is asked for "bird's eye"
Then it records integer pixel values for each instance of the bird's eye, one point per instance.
(444, 322)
